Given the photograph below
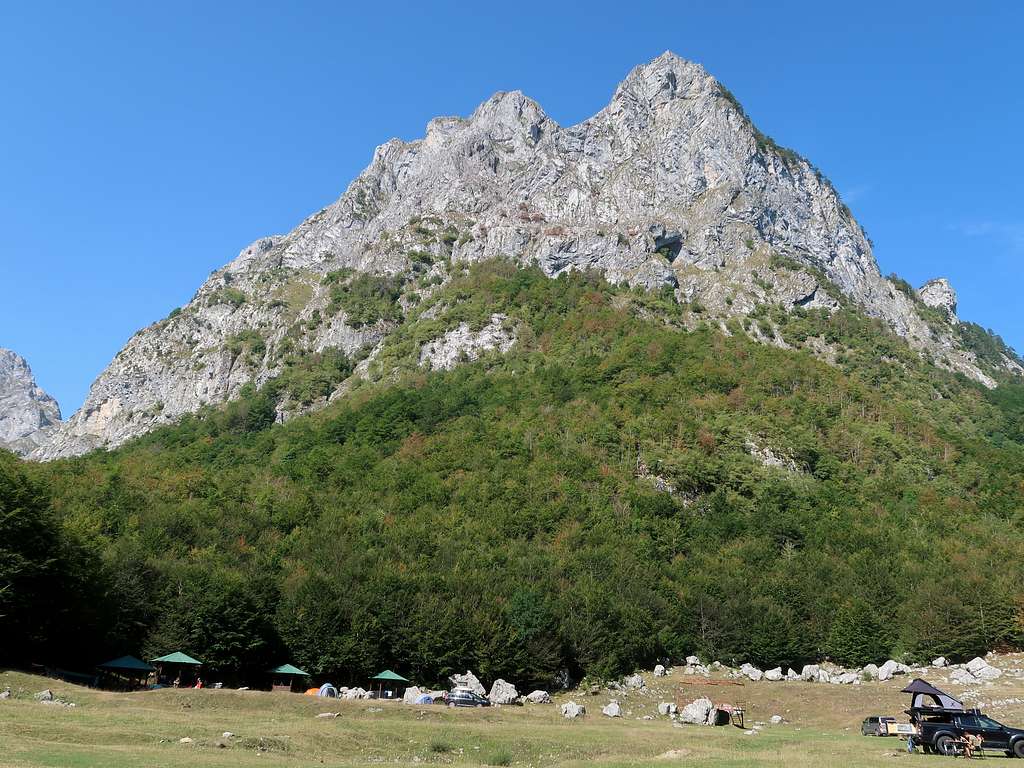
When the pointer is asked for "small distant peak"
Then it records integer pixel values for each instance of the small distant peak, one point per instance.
(509, 104)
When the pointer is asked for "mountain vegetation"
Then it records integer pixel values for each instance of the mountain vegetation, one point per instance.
(614, 489)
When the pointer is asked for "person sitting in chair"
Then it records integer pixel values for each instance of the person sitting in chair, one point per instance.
(972, 743)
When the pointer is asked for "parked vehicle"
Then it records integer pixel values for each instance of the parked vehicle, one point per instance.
(876, 726)
(942, 731)
(463, 697)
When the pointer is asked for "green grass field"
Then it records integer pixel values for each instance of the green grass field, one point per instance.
(143, 730)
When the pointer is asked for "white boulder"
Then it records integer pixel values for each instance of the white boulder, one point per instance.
(810, 673)
(571, 710)
(870, 671)
(667, 708)
(751, 672)
(775, 719)
(660, 671)
(612, 709)
(538, 697)
(940, 662)
(698, 712)
(470, 681)
(774, 674)
(692, 661)
(962, 676)
(891, 668)
(411, 694)
(635, 681)
(503, 692)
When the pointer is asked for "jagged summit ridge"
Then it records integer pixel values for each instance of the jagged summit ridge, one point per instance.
(26, 411)
(668, 187)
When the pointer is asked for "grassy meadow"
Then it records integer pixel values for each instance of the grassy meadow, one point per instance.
(144, 729)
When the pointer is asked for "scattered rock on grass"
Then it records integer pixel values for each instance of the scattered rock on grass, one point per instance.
(470, 681)
(571, 710)
(612, 709)
(698, 712)
(751, 672)
(411, 694)
(635, 681)
(538, 697)
(503, 692)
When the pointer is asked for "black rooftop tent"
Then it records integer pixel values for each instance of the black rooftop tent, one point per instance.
(921, 689)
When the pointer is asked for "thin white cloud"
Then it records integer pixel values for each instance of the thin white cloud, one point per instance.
(1010, 233)
(856, 192)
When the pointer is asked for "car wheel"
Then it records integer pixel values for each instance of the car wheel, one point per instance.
(1018, 748)
(945, 745)
(451, 704)
(478, 706)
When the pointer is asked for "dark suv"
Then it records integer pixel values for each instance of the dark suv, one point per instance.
(940, 730)
(463, 697)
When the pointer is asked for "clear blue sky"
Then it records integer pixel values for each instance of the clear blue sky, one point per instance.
(142, 145)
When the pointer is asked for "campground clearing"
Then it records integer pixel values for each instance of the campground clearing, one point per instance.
(821, 728)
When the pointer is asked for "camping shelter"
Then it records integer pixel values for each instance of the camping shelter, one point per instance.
(286, 678)
(387, 684)
(177, 666)
(923, 691)
(126, 671)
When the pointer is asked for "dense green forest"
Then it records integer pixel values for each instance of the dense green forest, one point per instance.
(591, 501)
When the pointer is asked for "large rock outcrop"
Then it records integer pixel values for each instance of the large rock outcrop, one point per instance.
(27, 413)
(938, 293)
(669, 187)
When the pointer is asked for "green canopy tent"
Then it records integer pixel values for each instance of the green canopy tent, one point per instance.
(184, 668)
(125, 671)
(387, 684)
(285, 677)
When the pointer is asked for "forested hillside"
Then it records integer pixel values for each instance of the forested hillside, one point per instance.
(612, 490)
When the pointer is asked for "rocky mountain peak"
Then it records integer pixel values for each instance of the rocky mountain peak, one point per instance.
(27, 413)
(670, 187)
(938, 293)
(665, 78)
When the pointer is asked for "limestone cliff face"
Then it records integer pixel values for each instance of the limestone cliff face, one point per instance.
(27, 413)
(669, 187)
